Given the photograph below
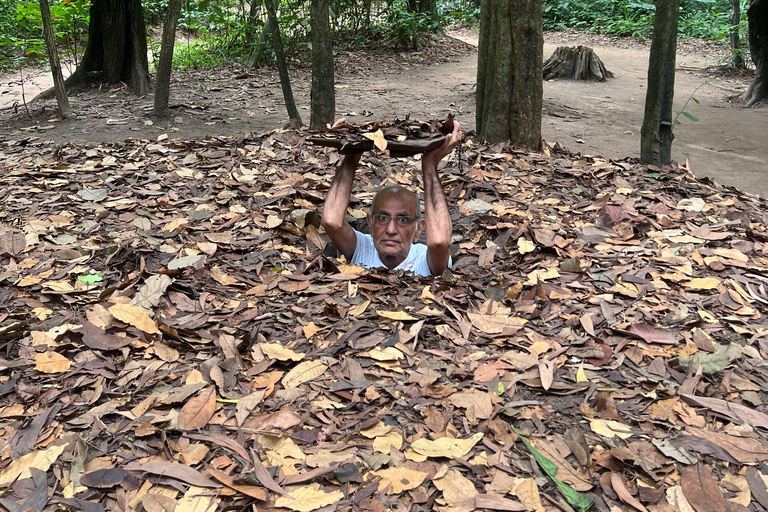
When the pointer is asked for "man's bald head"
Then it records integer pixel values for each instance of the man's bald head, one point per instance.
(396, 190)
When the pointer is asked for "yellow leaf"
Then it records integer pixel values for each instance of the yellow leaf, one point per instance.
(426, 294)
(311, 329)
(580, 375)
(703, 283)
(308, 498)
(134, 316)
(379, 429)
(279, 352)
(528, 492)
(304, 372)
(383, 443)
(395, 315)
(59, 286)
(731, 254)
(351, 269)
(51, 362)
(397, 480)
(525, 246)
(175, 224)
(224, 279)
(378, 139)
(359, 309)
(273, 221)
(42, 460)
(446, 446)
(542, 274)
(384, 354)
(610, 428)
(492, 324)
(196, 499)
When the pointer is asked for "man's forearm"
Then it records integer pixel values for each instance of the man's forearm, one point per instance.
(437, 215)
(338, 195)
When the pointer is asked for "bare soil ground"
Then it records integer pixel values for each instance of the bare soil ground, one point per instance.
(727, 144)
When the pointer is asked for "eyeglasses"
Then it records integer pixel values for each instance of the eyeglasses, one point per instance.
(383, 219)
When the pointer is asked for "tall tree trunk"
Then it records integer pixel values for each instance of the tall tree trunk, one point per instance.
(656, 134)
(282, 65)
(117, 47)
(737, 60)
(259, 54)
(53, 57)
(509, 83)
(323, 104)
(163, 81)
(757, 15)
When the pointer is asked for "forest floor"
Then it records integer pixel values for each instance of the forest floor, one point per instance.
(174, 334)
(591, 118)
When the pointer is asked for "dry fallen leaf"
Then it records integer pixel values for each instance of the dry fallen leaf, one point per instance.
(135, 316)
(445, 446)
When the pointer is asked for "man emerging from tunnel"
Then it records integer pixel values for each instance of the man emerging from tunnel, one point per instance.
(395, 219)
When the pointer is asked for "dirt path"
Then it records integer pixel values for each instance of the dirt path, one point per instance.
(728, 143)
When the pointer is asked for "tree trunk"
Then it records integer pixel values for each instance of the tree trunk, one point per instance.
(757, 15)
(737, 60)
(259, 54)
(163, 80)
(656, 134)
(117, 47)
(53, 57)
(282, 65)
(509, 84)
(425, 6)
(323, 105)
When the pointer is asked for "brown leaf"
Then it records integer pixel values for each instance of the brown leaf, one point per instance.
(173, 470)
(652, 334)
(702, 490)
(624, 494)
(198, 411)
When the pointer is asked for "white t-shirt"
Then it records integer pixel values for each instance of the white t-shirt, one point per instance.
(367, 256)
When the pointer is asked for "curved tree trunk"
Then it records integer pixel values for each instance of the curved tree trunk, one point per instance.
(656, 134)
(509, 82)
(53, 57)
(323, 102)
(757, 15)
(737, 60)
(117, 47)
(163, 80)
(282, 65)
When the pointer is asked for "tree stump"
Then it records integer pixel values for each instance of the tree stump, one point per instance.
(575, 63)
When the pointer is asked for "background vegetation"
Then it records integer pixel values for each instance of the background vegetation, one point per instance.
(220, 31)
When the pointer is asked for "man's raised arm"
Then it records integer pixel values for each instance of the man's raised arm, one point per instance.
(341, 233)
(437, 217)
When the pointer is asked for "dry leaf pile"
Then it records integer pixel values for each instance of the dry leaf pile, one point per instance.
(174, 336)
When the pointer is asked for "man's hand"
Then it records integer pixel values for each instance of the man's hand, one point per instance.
(437, 217)
(336, 124)
(452, 140)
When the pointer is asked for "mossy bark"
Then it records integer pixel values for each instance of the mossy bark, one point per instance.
(282, 64)
(53, 57)
(757, 15)
(323, 103)
(163, 80)
(117, 46)
(656, 134)
(509, 67)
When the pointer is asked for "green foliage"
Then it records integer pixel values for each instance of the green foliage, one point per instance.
(706, 19)
(409, 29)
(21, 29)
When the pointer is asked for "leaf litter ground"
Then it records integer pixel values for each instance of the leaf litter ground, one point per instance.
(176, 335)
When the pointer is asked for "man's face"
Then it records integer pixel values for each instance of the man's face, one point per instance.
(394, 226)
